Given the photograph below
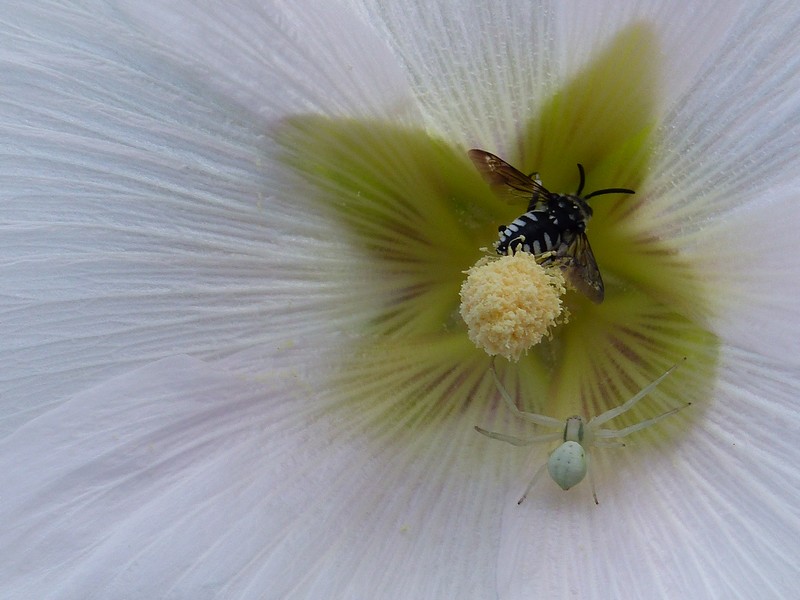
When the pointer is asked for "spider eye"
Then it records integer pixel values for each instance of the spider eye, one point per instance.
(567, 464)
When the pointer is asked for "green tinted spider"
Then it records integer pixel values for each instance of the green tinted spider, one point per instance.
(568, 463)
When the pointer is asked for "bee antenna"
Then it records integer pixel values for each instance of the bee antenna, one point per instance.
(609, 191)
(583, 180)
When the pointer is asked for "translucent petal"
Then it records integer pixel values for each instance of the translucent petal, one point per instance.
(181, 480)
(501, 60)
(729, 136)
(141, 215)
(751, 259)
(279, 57)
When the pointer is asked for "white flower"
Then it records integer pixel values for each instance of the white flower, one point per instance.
(211, 389)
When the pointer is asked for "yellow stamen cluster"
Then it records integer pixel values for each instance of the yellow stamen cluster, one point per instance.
(510, 303)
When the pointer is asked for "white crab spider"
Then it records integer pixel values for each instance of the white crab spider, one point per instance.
(568, 464)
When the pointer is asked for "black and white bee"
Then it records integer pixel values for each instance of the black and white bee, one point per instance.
(554, 226)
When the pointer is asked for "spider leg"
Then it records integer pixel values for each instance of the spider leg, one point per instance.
(536, 475)
(591, 479)
(618, 433)
(615, 412)
(606, 443)
(528, 416)
(515, 441)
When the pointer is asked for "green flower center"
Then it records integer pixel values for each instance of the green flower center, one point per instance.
(418, 212)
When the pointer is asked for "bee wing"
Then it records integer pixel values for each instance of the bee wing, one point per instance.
(510, 184)
(581, 272)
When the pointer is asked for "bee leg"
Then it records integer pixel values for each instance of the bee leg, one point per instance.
(549, 258)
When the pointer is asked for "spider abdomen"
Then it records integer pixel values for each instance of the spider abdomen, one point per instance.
(567, 464)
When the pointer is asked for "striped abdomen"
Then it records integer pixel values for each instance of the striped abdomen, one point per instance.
(551, 228)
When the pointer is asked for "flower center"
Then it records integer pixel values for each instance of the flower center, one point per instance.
(416, 213)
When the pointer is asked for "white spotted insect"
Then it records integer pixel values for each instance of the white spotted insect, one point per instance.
(554, 227)
(568, 464)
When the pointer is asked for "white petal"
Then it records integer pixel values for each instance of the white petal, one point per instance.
(730, 137)
(282, 57)
(750, 262)
(481, 70)
(714, 518)
(477, 68)
(181, 480)
(139, 219)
